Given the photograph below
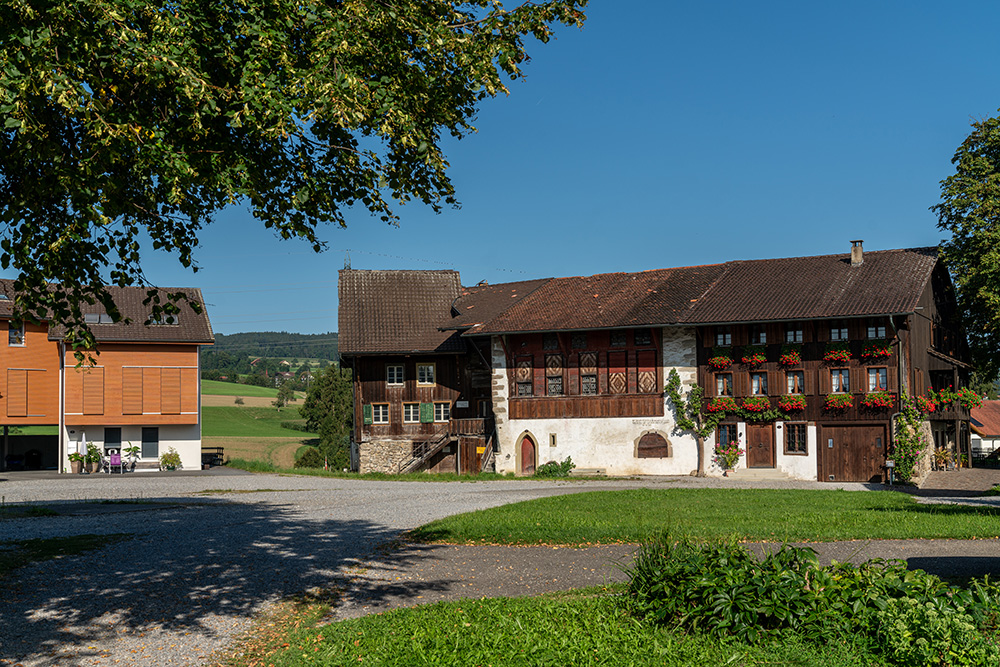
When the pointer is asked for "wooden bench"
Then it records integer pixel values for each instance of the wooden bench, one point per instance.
(212, 456)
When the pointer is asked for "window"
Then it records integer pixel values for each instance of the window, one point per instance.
(523, 372)
(758, 335)
(643, 337)
(723, 336)
(758, 384)
(795, 382)
(840, 380)
(795, 438)
(442, 412)
(652, 446)
(793, 333)
(724, 384)
(103, 318)
(878, 379)
(588, 385)
(524, 389)
(394, 374)
(553, 375)
(876, 329)
(588, 373)
(150, 442)
(838, 331)
(726, 434)
(112, 438)
(411, 413)
(15, 334)
(579, 341)
(554, 386)
(550, 341)
(380, 413)
(617, 339)
(425, 373)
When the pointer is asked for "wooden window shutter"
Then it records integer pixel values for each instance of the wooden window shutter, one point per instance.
(17, 393)
(426, 413)
(93, 391)
(809, 380)
(825, 385)
(709, 384)
(74, 391)
(859, 379)
(617, 373)
(170, 391)
(741, 381)
(151, 391)
(189, 390)
(131, 391)
(776, 385)
(891, 379)
(366, 411)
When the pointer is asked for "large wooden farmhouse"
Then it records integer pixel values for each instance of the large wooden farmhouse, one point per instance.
(514, 375)
(143, 388)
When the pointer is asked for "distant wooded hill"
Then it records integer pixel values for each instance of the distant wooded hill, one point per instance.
(278, 344)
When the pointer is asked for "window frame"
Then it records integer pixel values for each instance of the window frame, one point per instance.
(758, 334)
(402, 375)
(723, 336)
(583, 391)
(15, 335)
(549, 380)
(884, 376)
(761, 383)
(728, 379)
(874, 324)
(729, 428)
(794, 333)
(796, 426)
(843, 376)
(442, 405)
(415, 408)
(425, 383)
(843, 332)
(377, 410)
(800, 375)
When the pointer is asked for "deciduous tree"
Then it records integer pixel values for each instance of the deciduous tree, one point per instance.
(136, 116)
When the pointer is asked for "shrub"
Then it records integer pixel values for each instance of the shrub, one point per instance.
(310, 458)
(917, 633)
(555, 468)
(238, 400)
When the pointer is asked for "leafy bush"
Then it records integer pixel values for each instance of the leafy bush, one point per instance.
(720, 588)
(555, 468)
(297, 425)
(311, 458)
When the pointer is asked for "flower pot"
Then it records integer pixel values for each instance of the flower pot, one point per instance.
(76, 467)
(93, 466)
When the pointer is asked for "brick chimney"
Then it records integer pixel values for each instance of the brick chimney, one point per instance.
(857, 253)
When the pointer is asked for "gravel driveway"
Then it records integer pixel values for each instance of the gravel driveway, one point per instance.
(199, 567)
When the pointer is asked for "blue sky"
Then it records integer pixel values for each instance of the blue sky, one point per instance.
(662, 134)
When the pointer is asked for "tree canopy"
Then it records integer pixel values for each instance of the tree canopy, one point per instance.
(141, 116)
(970, 210)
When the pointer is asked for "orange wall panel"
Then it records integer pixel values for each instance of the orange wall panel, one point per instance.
(36, 367)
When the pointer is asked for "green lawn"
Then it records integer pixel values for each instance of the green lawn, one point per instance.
(248, 422)
(216, 388)
(34, 430)
(576, 628)
(751, 514)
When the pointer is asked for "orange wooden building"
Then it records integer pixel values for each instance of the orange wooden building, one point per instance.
(141, 390)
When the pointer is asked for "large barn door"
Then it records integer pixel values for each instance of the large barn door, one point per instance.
(851, 453)
(760, 446)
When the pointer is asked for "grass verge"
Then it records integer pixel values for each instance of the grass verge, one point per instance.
(263, 466)
(16, 553)
(25, 511)
(585, 627)
(749, 514)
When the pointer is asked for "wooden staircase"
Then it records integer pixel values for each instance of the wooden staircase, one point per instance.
(423, 451)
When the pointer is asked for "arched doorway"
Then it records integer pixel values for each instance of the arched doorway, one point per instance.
(527, 455)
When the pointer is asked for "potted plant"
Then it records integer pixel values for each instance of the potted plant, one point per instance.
(93, 458)
(878, 400)
(754, 355)
(728, 455)
(721, 404)
(757, 404)
(170, 460)
(792, 402)
(720, 359)
(925, 404)
(791, 355)
(876, 349)
(76, 462)
(837, 353)
(133, 455)
(941, 458)
(838, 401)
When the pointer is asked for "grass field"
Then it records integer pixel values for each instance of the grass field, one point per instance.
(750, 514)
(216, 388)
(248, 422)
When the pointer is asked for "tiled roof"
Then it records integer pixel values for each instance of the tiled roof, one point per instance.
(397, 312)
(482, 303)
(888, 281)
(607, 300)
(986, 419)
(191, 327)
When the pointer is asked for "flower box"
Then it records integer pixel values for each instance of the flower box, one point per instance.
(839, 401)
(838, 353)
(792, 402)
(721, 404)
(878, 400)
(925, 404)
(720, 359)
(791, 355)
(754, 355)
(876, 349)
(757, 404)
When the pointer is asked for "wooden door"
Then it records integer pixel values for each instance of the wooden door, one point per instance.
(469, 455)
(760, 446)
(851, 453)
(527, 456)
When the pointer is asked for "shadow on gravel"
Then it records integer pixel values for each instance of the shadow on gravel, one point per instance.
(199, 562)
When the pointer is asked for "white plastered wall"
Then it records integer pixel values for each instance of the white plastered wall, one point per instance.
(798, 466)
(185, 438)
(602, 443)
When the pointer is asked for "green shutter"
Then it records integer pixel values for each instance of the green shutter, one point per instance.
(366, 410)
(426, 413)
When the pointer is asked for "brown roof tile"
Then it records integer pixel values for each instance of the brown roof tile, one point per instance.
(191, 327)
(385, 312)
(986, 419)
(482, 303)
(607, 300)
(888, 281)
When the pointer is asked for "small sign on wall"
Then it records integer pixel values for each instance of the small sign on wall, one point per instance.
(461, 404)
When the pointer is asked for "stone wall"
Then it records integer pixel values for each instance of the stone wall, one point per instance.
(383, 455)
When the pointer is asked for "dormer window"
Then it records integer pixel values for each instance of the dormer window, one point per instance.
(97, 318)
(164, 318)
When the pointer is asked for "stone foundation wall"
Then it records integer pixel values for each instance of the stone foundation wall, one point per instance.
(383, 455)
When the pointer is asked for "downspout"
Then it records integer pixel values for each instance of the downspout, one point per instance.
(62, 407)
(899, 388)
